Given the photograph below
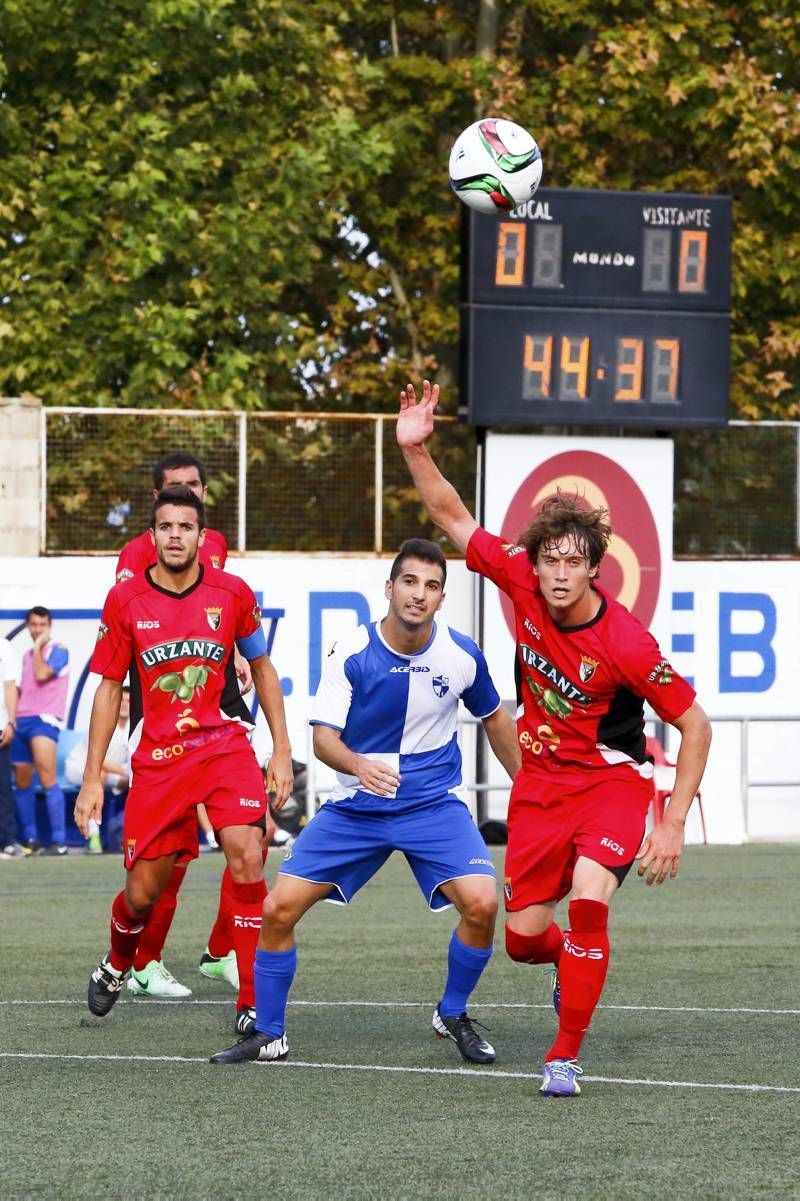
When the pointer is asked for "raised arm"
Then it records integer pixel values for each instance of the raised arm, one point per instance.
(41, 670)
(414, 427)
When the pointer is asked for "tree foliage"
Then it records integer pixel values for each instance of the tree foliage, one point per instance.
(243, 203)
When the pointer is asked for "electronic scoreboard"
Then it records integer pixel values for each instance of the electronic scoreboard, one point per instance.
(598, 308)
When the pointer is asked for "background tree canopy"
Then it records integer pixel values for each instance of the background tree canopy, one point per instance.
(244, 203)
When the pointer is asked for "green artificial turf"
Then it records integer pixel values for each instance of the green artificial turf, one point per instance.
(724, 936)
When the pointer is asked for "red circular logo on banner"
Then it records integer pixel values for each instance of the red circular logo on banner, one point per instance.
(631, 568)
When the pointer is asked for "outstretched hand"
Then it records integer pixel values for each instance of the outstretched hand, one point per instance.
(415, 419)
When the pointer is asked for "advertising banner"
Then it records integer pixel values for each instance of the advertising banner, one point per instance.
(631, 477)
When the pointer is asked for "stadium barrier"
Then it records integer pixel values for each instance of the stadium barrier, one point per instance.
(336, 482)
(751, 791)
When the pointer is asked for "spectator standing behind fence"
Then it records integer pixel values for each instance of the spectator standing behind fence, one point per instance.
(115, 778)
(9, 844)
(40, 717)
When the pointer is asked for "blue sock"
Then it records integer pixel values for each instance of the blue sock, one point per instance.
(26, 812)
(56, 812)
(464, 968)
(274, 973)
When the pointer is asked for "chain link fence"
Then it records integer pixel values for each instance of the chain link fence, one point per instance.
(737, 492)
(337, 483)
(313, 482)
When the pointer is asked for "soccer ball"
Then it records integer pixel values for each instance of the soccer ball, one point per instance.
(495, 165)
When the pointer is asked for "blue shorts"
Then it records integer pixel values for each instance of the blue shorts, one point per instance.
(440, 841)
(28, 728)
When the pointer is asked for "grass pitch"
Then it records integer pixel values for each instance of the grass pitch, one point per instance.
(692, 1087)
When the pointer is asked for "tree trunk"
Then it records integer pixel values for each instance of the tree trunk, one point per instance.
(486, 35)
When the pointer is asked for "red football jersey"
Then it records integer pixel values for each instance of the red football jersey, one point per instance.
(140, 553)
(178, 649)
(581, 689)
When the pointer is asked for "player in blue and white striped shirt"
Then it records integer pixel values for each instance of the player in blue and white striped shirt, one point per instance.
(385, 719)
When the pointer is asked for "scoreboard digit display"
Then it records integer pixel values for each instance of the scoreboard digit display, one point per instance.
(598, 308)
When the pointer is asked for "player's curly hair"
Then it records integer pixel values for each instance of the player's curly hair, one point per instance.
(562, 516)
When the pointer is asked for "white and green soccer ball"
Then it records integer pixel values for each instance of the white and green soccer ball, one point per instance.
(495, 165)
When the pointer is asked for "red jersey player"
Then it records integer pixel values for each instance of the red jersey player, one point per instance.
(149, 975)
(139, 553)
(578, 806)
(173, 629)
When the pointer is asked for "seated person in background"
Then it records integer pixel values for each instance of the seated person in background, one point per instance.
(116, 778)
(40, 717)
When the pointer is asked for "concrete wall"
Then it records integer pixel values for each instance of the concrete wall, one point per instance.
(20, 475)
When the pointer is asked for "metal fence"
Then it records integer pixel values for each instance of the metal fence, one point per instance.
(336, 482)
(277, 481)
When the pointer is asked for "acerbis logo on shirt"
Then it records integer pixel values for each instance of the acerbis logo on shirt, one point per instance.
(407, 667)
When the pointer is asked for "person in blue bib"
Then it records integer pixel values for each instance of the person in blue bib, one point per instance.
(384, 719)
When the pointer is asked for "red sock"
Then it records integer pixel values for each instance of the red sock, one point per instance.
(535, 948)
(247, 901)
(126, 930)
(151, 944)
(581, 973)
(220, 940)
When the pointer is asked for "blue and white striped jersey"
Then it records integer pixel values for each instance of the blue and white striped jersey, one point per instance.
(402, 709)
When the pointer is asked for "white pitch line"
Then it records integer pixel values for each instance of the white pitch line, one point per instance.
(379, 1067)
(421, 1005)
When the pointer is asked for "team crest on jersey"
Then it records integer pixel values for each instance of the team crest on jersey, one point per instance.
(125, 574)
(587, 669)
(215, 563)
(511, 549)
(257, 614)
(131, 848)
(101, 631)
(214, 616)
(441, 685)
(507, 888)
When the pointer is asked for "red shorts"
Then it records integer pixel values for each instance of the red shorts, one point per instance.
(550, 824)
(161, 809)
